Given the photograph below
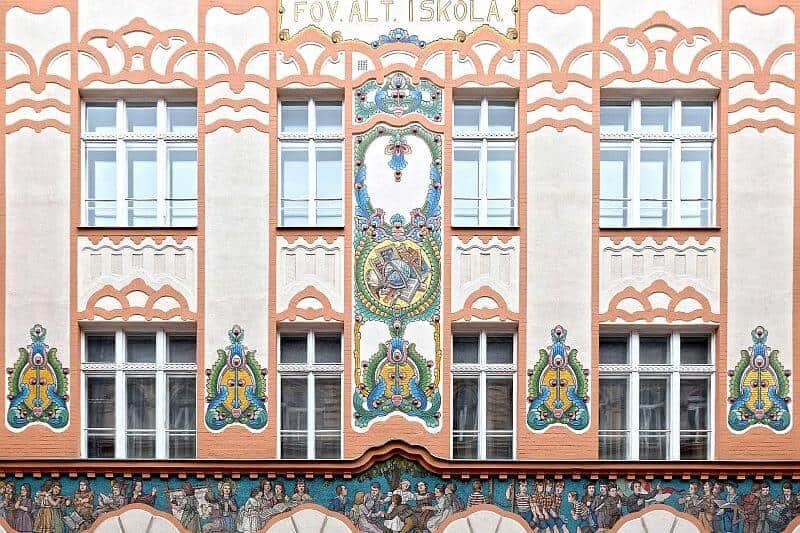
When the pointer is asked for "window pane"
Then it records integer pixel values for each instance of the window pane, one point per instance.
(500, 172)
(142, 186)
(614, 164)
(141, 118)
(696, 185)
(294, 403)
(328, 348)
(181, 349)
(467, 115)
(696, 118)
(141, 348)
(293, 446)
(328, 446)
(613, 408)
(613, 413)
(615, 118)
(101, 194)
(654, 350)
(182, 446)
(502, 116)
(100, 400)
(500, 350)
(499, 399)
(328, 403)
(141, 402)
(695, 350)
(100, 445)
(182, 118)
(653, 422)
(499, 446)
(294, 348)
(465, 349)
(465, 404)
(656, 117)
(294, 184)
(694, 419)
(329, 116)
(100, 348)
(613, 350)
(141, 445)
(465, 418)
(466, 186)
(182, 194)
(500, 212)
(294, 116)
(182, 410)
(101, 118)
(329, 171)
(654, 186)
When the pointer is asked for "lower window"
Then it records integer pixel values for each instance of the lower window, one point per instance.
(140, 391)
(655, 396)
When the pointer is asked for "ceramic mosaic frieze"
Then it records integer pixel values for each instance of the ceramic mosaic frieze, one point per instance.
(37, 385)
(397, 273)
(397, 494)
(558, 386)
(236, 388)
(398, 96)
(759, 387)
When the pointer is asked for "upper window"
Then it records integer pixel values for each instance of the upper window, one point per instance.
(657, 163)
(140, 163)
(311, 166)
(484, 163)
(310, 376)
(656, 396)
(140, 394)
(484, 367)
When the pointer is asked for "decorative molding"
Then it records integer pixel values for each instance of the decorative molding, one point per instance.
(759, 388)
(310, 269)
(137, 301)
(659, 302)
(558, 387)
(38, 385)
(236, 388)
(397, 96)
(492, 264)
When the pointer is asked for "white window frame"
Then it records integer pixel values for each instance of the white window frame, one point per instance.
(162, 139)
(635, 138)
(481, 139)
(311, 370)
(310, 139)
(633, 371)
(483, 370)
(120, 370)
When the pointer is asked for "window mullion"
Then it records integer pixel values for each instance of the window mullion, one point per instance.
(161, 162)
(311, 421)
(633, 399)
(122, 165)
(162, 404)
(312, 182)
(120, 405)
(675, 183)
(483, 183)
(674, 417)
(482, 408)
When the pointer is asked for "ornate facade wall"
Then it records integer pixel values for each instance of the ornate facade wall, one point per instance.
(397, 278)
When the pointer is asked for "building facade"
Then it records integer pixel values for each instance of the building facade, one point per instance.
(384, 265)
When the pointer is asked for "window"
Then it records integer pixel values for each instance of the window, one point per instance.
(139, 394)
(484, 163)
(310, 376)
(311, 167)
(656, 163)
(140, 163)
(656, 393)
(484, 368)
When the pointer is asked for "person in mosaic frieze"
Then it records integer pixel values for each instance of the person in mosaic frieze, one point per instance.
(137, 494)
(52, 504)
(589, 495)
(441, 509)
(693, 502)
(749, 508)
(557, 520)
(424, 499)
(399, 517)
(248, 519)
(301, 494)
(521, 501)
(614, 505)
(7, 497)
(23, 510)
(362, 516)
(340, 503)
(112, 501)
(580, 513)
(639, 496)
(602, 508)
(223, 508)
(189, 508)
(83, 503)
(781, 513)
(731, 509)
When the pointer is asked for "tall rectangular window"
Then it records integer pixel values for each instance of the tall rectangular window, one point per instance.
(655, 397)
(657, 163)
(484, 162)
(140, 163)
(140, 394)
(311, 165)
(484, 368)
(310, 382)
